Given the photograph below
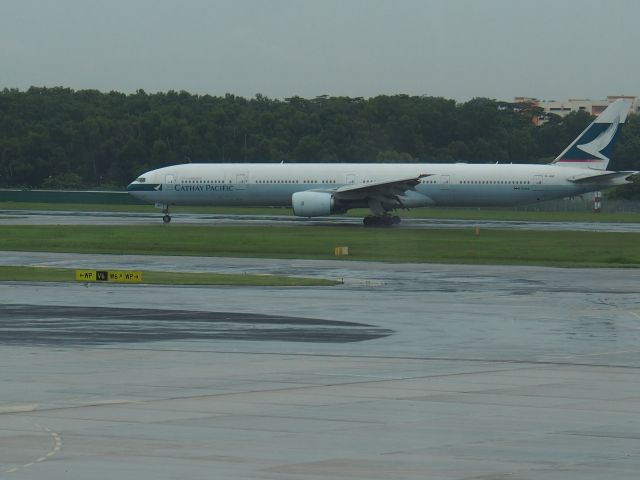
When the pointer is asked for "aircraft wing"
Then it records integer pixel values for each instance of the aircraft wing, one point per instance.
(381, 196)
(388, 189)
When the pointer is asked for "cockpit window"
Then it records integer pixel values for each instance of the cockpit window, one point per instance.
(141, 180)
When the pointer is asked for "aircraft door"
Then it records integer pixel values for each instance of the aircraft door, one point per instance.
(444, 193)
(538, 188)
(350, 178)
(241, 181)
(537, 182)
(169, 179)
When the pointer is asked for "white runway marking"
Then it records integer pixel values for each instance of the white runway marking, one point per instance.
(57, 440)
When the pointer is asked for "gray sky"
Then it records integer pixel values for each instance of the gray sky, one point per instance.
(550, 49)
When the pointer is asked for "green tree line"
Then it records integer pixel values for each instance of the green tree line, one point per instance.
(62, 138)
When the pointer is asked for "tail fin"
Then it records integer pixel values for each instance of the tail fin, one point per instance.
(593, 147)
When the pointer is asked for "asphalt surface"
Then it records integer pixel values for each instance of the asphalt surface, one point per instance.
(21, 217)
(407, 371)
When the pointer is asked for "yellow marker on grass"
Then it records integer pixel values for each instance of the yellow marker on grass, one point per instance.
(112, 276)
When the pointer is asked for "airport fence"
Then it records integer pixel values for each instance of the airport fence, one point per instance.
(67, 196)
(583, 204)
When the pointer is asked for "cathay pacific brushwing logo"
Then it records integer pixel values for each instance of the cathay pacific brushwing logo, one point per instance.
(598, 144)
(144, 187)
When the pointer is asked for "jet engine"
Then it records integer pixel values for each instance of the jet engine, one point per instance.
(313, 204)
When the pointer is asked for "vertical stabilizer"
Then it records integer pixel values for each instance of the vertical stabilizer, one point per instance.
(594, 146)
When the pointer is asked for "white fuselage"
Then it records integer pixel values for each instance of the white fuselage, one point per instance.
(459, 184)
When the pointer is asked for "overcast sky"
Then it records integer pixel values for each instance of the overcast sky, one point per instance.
(549, 49)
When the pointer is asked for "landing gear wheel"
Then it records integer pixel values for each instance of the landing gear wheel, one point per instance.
(396, 219)
(380, 221)
(166, 218)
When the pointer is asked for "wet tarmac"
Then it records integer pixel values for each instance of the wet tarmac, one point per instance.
(80, 326)
(448, 372)
(31, 217)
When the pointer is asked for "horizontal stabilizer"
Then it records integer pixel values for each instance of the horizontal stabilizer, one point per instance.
(605, 178)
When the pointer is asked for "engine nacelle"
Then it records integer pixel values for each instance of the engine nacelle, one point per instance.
(312, 204)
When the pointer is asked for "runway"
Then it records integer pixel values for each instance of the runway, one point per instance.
(407, 371)
(34, 217)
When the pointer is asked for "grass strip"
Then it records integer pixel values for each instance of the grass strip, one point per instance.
(514, 247)
(46, 274)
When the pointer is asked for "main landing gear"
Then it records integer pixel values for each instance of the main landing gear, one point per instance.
(381, 220)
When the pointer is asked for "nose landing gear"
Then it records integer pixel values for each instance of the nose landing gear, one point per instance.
(165, 209)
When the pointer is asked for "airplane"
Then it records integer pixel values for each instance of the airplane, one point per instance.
(323, 189)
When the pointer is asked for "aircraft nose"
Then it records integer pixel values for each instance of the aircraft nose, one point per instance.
(131, 187)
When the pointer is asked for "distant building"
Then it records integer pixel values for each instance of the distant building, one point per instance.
(564, 107)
